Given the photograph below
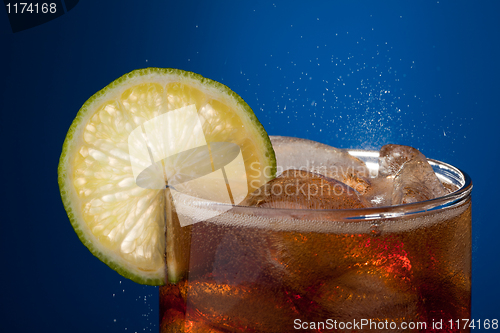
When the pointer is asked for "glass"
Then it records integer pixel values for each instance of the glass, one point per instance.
(277, 270)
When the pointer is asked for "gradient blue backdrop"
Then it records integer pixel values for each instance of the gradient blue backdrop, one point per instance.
(346, 73)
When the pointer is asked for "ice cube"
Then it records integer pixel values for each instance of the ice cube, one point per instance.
(301, 189)
(294, 256)
(416, 181)
(347, 276)
(248, 308)
(414, 178)
(380, 193)
(368, 293)
(302, 259)
(392, 157)
(302, 154)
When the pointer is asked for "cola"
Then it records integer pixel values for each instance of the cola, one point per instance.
(340, 240)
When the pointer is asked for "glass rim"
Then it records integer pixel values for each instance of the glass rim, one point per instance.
(449, 200)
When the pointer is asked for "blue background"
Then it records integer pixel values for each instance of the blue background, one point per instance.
(346, 73)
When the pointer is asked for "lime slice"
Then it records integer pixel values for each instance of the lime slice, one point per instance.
(120, 222)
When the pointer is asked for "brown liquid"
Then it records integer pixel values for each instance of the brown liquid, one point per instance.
(249, 279)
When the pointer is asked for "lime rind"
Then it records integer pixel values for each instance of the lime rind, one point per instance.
(68, 193)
